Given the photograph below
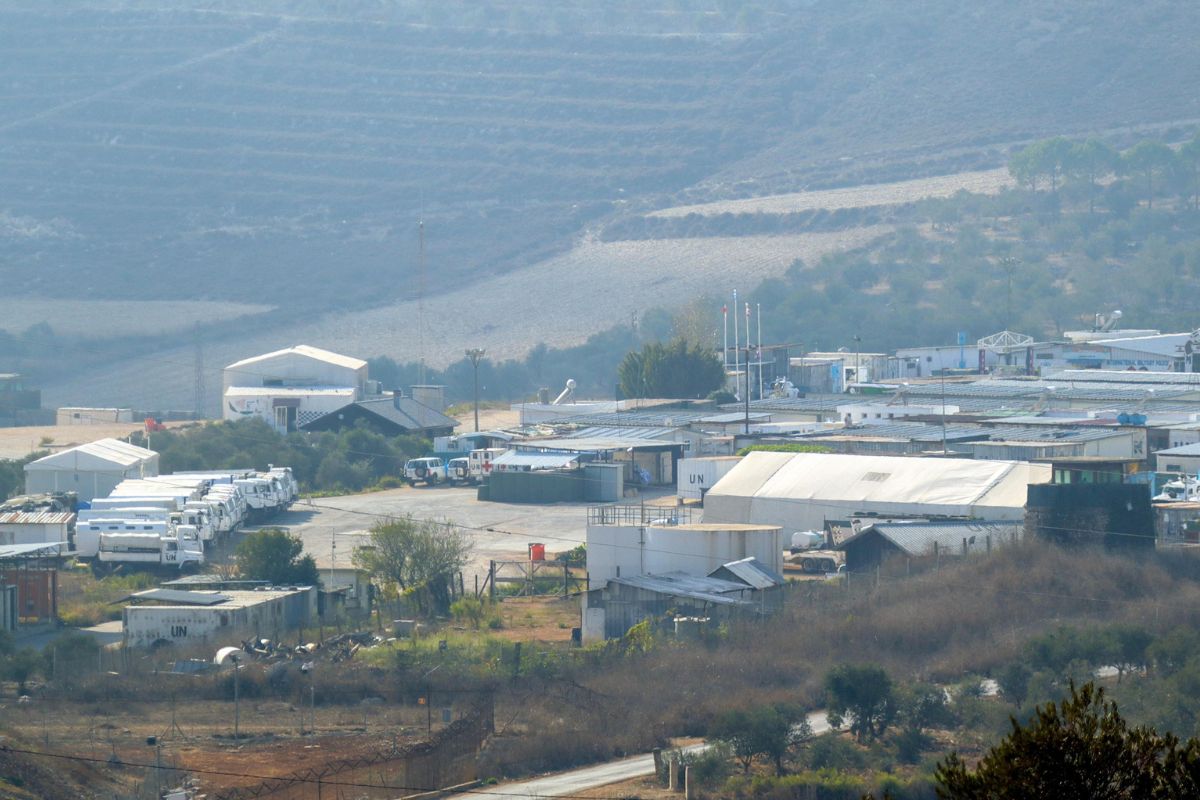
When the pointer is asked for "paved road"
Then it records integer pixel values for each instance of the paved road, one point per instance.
(344, 522)
(577, 780)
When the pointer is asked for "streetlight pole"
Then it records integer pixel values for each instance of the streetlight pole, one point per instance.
(857, 346)
(476, 354)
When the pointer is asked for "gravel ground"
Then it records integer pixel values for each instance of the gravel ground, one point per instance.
(344, 522)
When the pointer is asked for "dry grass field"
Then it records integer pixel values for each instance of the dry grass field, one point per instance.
(103, 319)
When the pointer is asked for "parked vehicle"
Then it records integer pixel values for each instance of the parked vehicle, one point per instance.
(459, 470)
(291, 487)
(816, 562)
(481, 462)
(262, 498)
(430, 471)
(179, 550)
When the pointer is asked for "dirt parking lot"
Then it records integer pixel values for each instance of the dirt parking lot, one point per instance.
(498, 530)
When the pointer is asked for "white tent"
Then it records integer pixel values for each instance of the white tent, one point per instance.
(91, 470)
(799, 491)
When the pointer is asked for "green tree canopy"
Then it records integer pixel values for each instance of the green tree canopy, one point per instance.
(274, 555)
(421, 556)
(1079, 749)
(863, 695)
(769, 732)
(677, 369)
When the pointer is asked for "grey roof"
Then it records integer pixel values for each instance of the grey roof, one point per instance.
(597, 432)
(1182, 450)
(918, 538)
(211, 579)
(179, 597)
(932, 432)
(752, 572)
(637, 419)
(407, 413)
(513, 458)
(679, 584)
(1124, 376)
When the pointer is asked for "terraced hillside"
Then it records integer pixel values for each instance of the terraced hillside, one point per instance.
(280, 153)
(248, 157)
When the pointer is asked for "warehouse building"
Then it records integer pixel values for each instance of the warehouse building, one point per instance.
(173, 616)
(875, 543)
(90, 470)
(800, 491)
(292, 387)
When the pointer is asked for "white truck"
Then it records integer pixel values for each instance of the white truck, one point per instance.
(291, 487)
(262, 497)
(178, 550)
(480, 462)
(198, 518)
(430, 470)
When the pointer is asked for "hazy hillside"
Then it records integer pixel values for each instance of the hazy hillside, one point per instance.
(282, 156)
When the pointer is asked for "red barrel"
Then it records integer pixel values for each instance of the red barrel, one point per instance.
(537, 552)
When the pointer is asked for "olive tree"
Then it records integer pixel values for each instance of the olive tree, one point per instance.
(416, 556)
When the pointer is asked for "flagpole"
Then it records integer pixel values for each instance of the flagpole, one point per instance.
(736, 341)
(758, 309)
(725, 349)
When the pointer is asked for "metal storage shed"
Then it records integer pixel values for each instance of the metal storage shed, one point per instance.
(799, 491)
(90, 470)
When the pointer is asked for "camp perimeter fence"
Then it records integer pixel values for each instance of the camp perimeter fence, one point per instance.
(447, 758)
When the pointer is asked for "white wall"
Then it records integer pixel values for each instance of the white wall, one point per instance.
(295, 369)
(696, 475)
(615, 551)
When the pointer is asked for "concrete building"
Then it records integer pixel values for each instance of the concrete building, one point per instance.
(1185, 458)
(90, 470)
(216, 617)
(292, 387)
(800, 491)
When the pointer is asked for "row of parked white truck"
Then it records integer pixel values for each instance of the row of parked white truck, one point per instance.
(170, 521)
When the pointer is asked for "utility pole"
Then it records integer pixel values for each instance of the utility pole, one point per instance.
(476, 354)
(199, 400)
(857, 347)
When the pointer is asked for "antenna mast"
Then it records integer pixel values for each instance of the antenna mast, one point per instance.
(421, 302)
(199, 376)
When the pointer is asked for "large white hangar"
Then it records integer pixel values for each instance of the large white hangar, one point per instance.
(800, 491)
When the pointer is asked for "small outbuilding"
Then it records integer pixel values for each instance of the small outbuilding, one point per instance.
(876, 543)
(741, 588)
(175, 616)
(90, 470)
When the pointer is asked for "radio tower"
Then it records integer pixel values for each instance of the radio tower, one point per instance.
(199, 377)
(421, 302)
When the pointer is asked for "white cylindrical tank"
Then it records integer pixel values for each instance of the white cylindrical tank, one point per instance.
(698, 475)
(700, 548)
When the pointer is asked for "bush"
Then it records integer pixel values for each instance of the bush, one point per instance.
(834, 752)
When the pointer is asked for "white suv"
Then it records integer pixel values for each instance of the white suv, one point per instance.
(430, 471)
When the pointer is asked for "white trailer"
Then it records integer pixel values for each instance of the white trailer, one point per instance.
(179, 550)
(261, 499)
(132, 501)
(88, 532)
(198, 518)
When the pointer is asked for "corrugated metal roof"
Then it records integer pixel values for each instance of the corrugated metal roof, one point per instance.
(410, 414)
(1124, 376)
(349, 362)
(180, 597)
(41, 548)
(621, 433)
(918, 538)
(595, 445)
(512, 458)
(36, 518)
(753, 572)
(679, 584)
